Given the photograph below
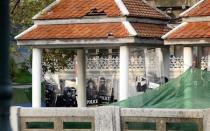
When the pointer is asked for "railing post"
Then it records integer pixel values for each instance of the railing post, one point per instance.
(160, 125)
(206, 120)
(15, 118)
(107, 119)
(58, 124)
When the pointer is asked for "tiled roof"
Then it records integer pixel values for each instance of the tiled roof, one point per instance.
(67, 9)
(78, 8)
(202, 9)
(139, 8)
(150, 30)
(93, 31)
(191, 30)
(76, 31)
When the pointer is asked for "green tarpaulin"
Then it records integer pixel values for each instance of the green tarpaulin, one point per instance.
(191, 90)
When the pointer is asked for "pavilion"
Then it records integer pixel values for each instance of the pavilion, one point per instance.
(193, 34)
(83, 24)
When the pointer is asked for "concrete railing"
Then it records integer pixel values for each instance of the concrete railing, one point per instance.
(161, 118)
(106, 119)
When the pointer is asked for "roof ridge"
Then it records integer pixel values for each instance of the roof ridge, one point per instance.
(122, 7)
(155, 8)
(191, 8)
(130, 28)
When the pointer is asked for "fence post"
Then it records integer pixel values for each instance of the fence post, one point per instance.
(161, 125)
(107, 119)
(58, 124)
(15, 118)
(206, 120)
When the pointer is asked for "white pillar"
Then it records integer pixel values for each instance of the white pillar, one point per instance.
(124, 72)
(188, 62)
(188, 57)
(166, 62)
(208, 68)
(81, 77)
(146, 56)
(159, 62)
(36, 77)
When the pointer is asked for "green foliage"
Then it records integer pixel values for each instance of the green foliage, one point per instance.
(24, 95)
(13, 68)
(21, 17)
(20, 96)
(26, 9)
(56, 59)
(23, 76)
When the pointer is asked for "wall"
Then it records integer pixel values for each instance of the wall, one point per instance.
(107, 118)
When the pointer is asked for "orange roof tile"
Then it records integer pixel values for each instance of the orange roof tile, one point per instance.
(138, 8)
(202, 9)
(78, 8)
(76, 31)
(150, 30)
(192, 30)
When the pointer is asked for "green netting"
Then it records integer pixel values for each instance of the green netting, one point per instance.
(191, 90)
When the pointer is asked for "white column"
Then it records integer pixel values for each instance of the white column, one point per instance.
(188, 62)
(36, 77)
(146, 56)
(81, 77)
(188, 57)
(208, 68)
(159, 62)
(124, 72)
(166, 62)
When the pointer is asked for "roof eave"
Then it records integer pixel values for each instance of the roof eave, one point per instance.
(188, 41)
(196, 19)
(25, 32)
(90, 43)
(76, 43)
(149, 42)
